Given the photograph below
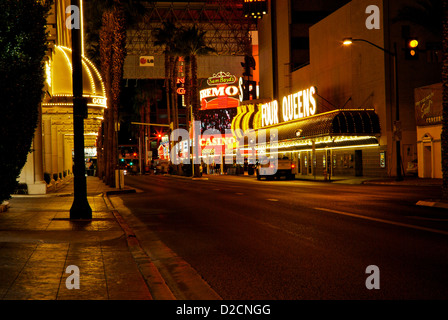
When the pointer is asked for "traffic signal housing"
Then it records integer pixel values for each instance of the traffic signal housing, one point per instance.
(411, 49)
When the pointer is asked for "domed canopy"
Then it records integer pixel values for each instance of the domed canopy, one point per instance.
(59, 78)
(58, 102)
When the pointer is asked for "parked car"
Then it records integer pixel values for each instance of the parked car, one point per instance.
(412, 168)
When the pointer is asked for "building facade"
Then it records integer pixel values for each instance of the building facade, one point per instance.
(354, 88)
(50, 161)
(428, 117)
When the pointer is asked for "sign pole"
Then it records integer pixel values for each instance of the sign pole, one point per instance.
(80, 208)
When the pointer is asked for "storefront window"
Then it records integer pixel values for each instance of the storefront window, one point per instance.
(383, 159)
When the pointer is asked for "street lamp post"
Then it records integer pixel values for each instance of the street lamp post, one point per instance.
(349, 41)
(80, 208)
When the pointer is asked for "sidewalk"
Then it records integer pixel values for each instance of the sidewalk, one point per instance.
(38, 242)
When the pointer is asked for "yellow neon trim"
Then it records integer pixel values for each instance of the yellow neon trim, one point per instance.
(313, 116)
(90, 76)
(66, 56)
(320, 149)
(98, 75)
(82, 26)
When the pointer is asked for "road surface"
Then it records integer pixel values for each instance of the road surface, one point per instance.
(286, 240)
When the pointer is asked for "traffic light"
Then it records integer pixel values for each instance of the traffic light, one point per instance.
(411, 49)
(135, 154)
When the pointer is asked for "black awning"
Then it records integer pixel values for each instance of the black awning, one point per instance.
(329, 124)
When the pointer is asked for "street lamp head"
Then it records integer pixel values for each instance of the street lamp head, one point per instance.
(347, 41)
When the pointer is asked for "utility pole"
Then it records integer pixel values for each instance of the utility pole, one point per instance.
(80, 208)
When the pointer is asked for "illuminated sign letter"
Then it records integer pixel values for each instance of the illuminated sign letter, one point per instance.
(218, 91)
(299, 102)
(232, 91)
(285, 108)
(274, 112)
(269, 113)
(291, 107)
(306, 103)
(313, 101)
(263, 114)
(296, 106)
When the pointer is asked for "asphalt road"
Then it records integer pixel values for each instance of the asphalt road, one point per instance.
(286, 240)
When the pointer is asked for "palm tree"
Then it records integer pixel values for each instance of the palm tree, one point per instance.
(113, 53)
(110, 41)
(166, 36)
(192, 44)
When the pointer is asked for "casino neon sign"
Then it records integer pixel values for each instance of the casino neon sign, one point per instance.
(221, 93)
(295, 106)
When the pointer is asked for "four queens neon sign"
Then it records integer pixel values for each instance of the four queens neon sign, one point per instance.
(295, 106)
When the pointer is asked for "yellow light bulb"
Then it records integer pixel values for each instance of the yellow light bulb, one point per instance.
(413, 43)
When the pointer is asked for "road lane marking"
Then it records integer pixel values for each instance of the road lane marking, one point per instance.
(274, 200)
(239, 193)
(384, 221)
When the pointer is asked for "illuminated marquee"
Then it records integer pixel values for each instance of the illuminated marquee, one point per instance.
(269, 113)
(294, 106)
(222, 93)
(299, 105)
(219, 92)
(216, 141)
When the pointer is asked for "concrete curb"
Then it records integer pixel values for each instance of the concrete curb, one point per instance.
(156, 284)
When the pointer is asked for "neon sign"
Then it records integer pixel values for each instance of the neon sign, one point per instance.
(299, 105)
(222, 93)
(295, 106)
(216, 141)
(219, 92)
(269, 113)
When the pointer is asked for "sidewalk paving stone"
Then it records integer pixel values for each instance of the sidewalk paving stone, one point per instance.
(38, 241)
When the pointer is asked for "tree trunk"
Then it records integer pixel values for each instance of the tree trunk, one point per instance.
(118, 57)
(106, 61)
(195, 106)
(444, 134)
(174, 92)
(167, 85)
(187, 82)
(194, 86)
(147, 131)
(99, 152)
